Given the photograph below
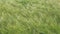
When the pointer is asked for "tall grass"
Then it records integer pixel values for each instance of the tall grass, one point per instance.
(29, 17)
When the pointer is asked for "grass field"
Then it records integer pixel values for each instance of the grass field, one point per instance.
(29, 16)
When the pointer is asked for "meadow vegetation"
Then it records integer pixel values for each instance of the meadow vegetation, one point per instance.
(29, 17)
